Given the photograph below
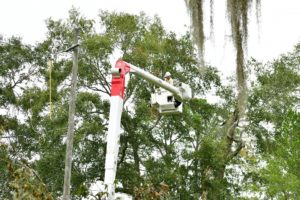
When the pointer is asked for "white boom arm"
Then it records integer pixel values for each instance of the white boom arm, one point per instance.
(157, 81)
(181, 93)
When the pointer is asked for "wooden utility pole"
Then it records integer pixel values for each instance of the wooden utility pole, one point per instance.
(70, 135)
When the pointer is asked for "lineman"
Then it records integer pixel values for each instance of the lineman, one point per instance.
(168, 78)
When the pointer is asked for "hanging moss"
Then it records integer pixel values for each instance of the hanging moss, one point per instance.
(237, 11)
(195, 8)
(258, 11)
(211, 19)
(238, 14)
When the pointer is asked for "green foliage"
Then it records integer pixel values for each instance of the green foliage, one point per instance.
(5, 177)
(283, 162)
(274, 121)
(14, 57)
(26, 184)
(274, 94)
(19, 180)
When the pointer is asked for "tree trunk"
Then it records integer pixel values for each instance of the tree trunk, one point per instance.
(136, 159)
(218, 176)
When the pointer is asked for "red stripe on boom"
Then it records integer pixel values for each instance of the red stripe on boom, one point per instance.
(118, 82)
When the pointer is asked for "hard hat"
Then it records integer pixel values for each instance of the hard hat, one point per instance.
(167, 74)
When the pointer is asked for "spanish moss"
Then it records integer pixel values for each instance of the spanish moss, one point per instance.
(238, 15)
(238, 12)
(258, 11)
(195, 8)
(211, 19)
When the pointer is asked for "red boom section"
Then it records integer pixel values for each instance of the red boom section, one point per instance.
(118, 82)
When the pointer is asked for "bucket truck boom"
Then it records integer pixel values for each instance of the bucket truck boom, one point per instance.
(181, 93)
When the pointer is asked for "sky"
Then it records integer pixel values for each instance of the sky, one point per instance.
(278, 32)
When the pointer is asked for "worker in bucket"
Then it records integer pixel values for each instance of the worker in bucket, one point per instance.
(168, 78)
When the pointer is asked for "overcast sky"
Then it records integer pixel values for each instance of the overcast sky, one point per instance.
(279, 30)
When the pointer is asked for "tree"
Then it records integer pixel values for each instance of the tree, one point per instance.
(18, 179)
(273, 119)
(285, 168)
(237, 12)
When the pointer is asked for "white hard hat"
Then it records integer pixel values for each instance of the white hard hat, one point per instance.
(167, 74)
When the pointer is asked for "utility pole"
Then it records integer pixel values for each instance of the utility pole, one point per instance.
(70, 135)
